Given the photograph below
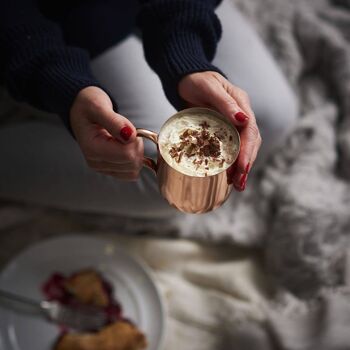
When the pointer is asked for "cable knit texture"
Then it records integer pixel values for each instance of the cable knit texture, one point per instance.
(36, 64)
(40, 67)
(179, 38)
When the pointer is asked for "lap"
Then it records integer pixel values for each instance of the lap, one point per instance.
(247, 63)
(45, 166)
(54, 168)
(136, 88)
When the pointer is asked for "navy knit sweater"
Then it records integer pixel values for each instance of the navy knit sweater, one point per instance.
(45, 46)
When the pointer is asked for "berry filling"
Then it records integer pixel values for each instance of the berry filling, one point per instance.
(70, 291)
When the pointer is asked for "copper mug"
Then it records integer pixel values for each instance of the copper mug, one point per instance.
(190, 194)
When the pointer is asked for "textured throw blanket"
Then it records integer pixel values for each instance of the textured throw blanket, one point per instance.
(296, 212)
(298, 208)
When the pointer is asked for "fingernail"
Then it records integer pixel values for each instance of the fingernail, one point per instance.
(243, 182)
(241, 117)
(125, 133)
(247, 168)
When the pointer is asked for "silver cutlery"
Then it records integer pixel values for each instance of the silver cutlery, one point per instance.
(81, 318)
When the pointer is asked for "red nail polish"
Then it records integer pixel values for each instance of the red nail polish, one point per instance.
(241, 117)
(243, 182)
(247, 168)
(125, 133)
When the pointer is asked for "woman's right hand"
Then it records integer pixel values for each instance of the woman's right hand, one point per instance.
(107, 139)
(212, 90)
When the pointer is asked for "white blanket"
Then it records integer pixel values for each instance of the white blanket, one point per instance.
(218, 297)
(210, 292)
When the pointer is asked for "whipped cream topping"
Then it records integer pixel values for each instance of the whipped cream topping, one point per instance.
(198, 145)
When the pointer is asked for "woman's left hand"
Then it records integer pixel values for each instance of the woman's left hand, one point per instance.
(212, 90)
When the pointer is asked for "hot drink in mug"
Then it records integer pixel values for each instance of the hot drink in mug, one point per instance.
(196, 146)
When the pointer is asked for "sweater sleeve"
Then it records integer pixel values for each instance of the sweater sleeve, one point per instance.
(179, 38)
(35, 63)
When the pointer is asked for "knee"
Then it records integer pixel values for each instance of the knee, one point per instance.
(277, 117)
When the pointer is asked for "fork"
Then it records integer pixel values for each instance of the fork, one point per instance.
(80, 318)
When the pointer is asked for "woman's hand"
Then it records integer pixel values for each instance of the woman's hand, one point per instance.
(107, 139)
(212, 90)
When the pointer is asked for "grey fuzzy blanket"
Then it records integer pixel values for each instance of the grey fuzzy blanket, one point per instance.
(304, 192)
(298, 209)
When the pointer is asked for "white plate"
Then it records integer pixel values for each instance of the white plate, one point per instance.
(132, 282)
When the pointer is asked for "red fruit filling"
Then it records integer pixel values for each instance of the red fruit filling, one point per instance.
(55, 289)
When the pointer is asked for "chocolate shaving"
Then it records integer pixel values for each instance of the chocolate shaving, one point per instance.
(204, 125)
(219, 135)
(179, 157)
(173, 152)
(200, 141)
(191, 150)
(205, 151)
(205, 134)
(200, 144)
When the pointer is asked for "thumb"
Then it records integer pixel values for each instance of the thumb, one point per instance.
(222, 101)
(117, 125)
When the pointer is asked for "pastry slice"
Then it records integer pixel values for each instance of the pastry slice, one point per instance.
(88, 288)
(120, 335)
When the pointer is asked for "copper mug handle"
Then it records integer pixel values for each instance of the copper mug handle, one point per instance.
(153, 136)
